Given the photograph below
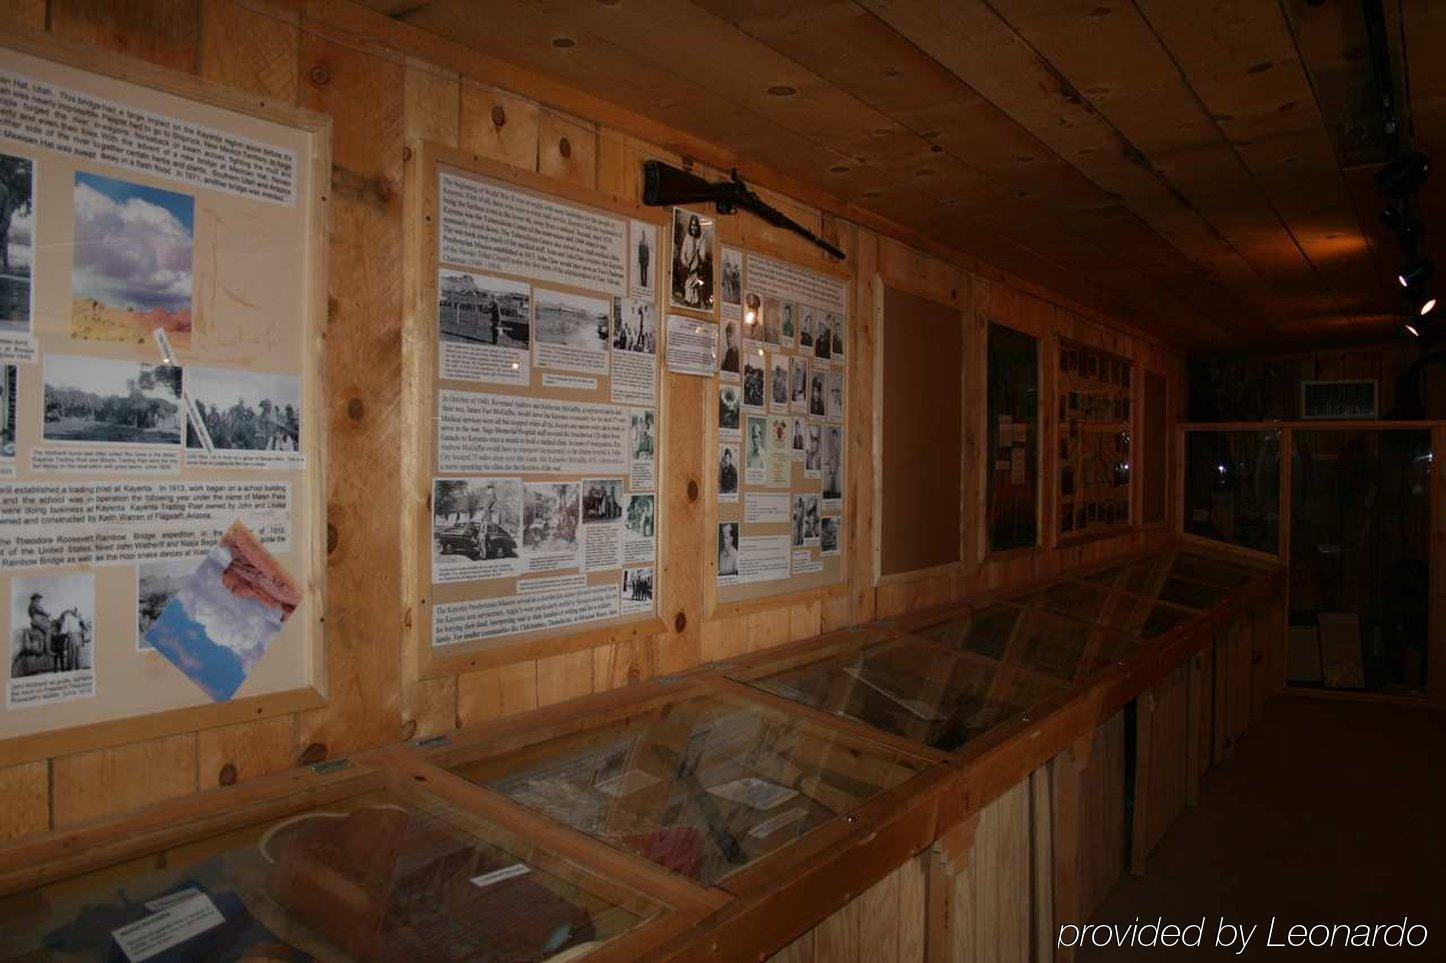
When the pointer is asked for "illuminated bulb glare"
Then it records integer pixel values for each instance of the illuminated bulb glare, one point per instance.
(1403, 282)
(1220, 468)
(1428, 307)
(1413, 331)
(749, 317)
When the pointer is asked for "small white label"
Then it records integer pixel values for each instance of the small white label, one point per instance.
(18, 348)
(551, 380)
(172, 926)
(634, 780)
(498, 875)
(773, 824)
(754, 792)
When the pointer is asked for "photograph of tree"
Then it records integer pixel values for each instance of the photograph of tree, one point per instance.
(245, 410)
(110, 400)
(17, 241)
(133, 261)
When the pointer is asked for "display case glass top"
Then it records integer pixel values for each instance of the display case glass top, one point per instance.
(378, 870)
(1027, 635)
(702, 786)
(1213, 571)
(1191, 594)
(922, 691)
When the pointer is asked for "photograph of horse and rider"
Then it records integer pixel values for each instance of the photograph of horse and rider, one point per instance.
(51, 620)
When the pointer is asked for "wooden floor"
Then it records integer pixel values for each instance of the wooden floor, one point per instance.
(1327, 812)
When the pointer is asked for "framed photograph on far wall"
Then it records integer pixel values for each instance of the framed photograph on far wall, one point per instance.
(1012, 430)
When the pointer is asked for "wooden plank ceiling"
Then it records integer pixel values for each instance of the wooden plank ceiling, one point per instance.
(1202, 170)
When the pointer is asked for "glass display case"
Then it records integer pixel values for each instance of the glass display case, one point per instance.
(703, 783)
(922, 691)
(1200, 568)
(365, 866)
(1232, 487)
(1191, 594)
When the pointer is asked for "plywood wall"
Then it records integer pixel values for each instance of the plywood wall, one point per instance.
(386, 87)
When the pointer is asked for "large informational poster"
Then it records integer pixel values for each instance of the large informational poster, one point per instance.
(1093, 495)
(159, 285)
(544, 460)
(779, 434)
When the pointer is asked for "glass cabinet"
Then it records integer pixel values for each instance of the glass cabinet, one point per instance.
(365, 865)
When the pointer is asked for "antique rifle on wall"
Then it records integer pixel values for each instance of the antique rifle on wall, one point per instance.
(665, 186)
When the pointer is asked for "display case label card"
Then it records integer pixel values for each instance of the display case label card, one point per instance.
(754, 792)
(498, 875)
(172, 926)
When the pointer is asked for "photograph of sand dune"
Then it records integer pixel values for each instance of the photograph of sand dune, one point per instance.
(133, 261)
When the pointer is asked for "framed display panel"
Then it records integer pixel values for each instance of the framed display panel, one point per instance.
(716, 785)
(160, 325)
(779, 405)
(356, 861)
(1232, 488)
(928, 693)
(1012, 427)
(921, 376)
(1092, 486)
(539, 462)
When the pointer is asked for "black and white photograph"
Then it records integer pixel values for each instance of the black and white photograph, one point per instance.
(836, 329)
(817, 406)
(52, 642)
(805, 520)
(788, 325)
(156, 584)
(753, 381)
(813, 454)
(772, 308)
(473, 309)
(730, 355)
(243, 410)
(643, 258)
(823, 337)
(9, 403)
(797, 435)
(834, 389)
(728, 552)
(642, 449)
(752, 317)
(732, 277)
(550, 513)
(110, 401)
(805, 328)
(602, 500)
(798, 384)
(778, 383)
(635, 325)
(572, 331)
(637, 590)
(832, 463)
(476, 526)
(17, 242)
(727, 473)
(640, 516)
(756, 444)
(730, 409)
(693, 245)
(828, 535)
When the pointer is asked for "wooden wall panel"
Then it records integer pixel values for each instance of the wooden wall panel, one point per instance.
(1102, 816)
(983, 910)
(883, 924)
(385, 85)
(1162, 758)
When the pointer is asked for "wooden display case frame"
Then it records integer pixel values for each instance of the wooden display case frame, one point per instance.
(310, 537)
(158, 829)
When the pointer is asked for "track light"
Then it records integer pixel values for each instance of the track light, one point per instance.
(1412, 330)
(1416, 271)
(1406, 228)
(1403, 174)
(1422, 302)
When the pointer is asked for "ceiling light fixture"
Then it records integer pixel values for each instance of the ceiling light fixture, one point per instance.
(1416, 271)
(1403, 174)
(1411, 330)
